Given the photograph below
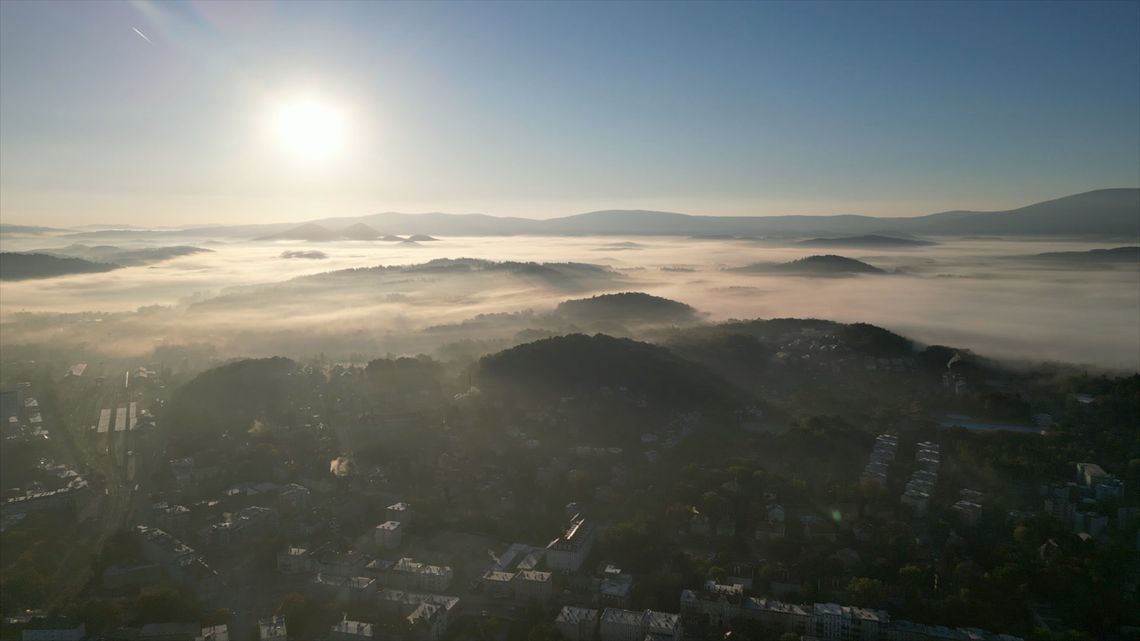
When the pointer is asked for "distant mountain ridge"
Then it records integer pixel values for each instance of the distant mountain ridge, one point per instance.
(1113, 255)
(1104, 212)
(868, 240)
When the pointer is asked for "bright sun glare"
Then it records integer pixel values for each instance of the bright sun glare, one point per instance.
(308, 129)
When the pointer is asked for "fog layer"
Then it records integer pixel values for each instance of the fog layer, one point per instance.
(246, 299)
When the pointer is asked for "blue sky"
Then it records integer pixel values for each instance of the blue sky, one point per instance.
(544, 109)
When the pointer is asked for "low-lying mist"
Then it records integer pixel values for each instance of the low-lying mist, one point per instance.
(256, 298)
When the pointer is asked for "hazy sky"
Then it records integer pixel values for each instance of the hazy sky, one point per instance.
(543, 109)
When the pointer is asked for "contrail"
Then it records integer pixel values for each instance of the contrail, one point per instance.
(141, 34)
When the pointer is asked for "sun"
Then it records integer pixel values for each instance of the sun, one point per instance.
(309, 129)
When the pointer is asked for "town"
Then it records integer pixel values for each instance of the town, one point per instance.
(394, 499)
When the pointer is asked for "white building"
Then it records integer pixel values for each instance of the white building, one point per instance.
(567, 552)
(388, 534)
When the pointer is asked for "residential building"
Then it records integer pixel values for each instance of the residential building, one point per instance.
(714, 605)
(778, 615)
(617, 624)
(345, 564)
(614, 590)
(272, 629)
(409, 574)
(213, 632)
(388, 534)
(294, 497)
(429, 623)
(44, 629)
(567, 552)
(294, 560)
(629, 625)
(532, 586)
(345, 630)
(833, 622)
(577, 624)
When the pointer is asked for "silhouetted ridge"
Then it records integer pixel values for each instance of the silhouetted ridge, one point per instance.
(827, 265)
(1114, 255)
(16, 266)
(626, 306)
(359, 231)
(870, 240)
(580, 364)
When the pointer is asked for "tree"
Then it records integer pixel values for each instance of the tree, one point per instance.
(99, 615)
(867, 592)
(543, 632)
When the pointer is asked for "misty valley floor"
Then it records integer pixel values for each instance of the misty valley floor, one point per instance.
(965, 292)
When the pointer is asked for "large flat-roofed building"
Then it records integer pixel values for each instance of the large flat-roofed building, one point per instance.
(569, 551)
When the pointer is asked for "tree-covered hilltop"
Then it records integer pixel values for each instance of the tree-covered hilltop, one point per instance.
(17, 266)
(567, 365)
(405, 377)
(227, 400)
(627, 307)
(824, 265)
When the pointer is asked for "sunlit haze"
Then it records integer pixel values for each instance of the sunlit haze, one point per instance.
(569, 321)
(153, 113)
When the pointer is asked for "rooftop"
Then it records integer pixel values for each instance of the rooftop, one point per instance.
(572, 614)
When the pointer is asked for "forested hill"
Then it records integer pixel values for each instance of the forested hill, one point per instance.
(627, 306)
(573, 364)
(14, 266)
(825, 265)
(228, 399)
